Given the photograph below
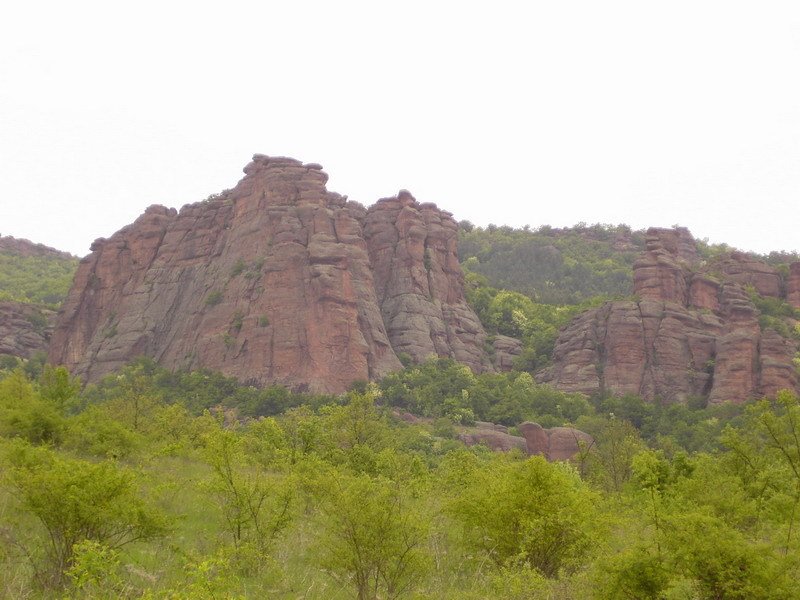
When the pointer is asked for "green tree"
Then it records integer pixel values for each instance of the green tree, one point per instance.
(23, 413)
(74, 501)
(57, 387)
(530, 512)
(256, 505)
(372, 535)
(610, 460)
(767, 457)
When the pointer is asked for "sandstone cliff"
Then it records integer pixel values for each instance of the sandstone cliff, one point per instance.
(25, 329)
(693, 331)
(275, 281)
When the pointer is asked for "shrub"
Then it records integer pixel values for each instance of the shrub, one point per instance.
(214, 298)
(238, 268)
(75, 501)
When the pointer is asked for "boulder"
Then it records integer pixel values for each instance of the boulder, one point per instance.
(557, 443)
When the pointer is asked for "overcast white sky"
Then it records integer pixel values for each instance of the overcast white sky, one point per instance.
(647, 113)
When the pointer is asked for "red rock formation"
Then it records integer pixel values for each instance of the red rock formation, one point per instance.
(24, 329)
(492, 436)
(704, 292)
(506, 350)
(793, 285)
(777, 370)
(689, 335)
(420, 286)
(746, 270)
(277, 280)
(650, 348)
(660, 273)
(557, 443)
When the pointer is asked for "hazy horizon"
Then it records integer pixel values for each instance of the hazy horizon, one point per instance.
(537, 114)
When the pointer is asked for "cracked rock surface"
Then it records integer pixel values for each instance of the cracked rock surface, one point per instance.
(275, 281)
(692, 332)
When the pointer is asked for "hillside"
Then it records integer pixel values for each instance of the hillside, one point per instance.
(34, 273)
(280, 281)
(34, 280)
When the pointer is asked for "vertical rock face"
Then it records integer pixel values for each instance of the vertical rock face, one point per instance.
(420, 286)
(745, 270)
(690, 334)
(793, 285)
(275, 281)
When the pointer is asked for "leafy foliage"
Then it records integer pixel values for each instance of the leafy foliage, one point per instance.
(36, 279)
(529, 512)
(553, 266)
(75, 501)
(442, 387)
(333, 497)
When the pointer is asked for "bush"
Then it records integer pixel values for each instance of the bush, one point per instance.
(214, 298)
(75, 501)
(532, 512)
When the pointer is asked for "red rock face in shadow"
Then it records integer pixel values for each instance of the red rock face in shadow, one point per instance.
(690, 334)
(793, 285)
(25, 329)
(275, 281)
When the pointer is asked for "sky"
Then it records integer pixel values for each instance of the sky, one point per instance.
(512, 113)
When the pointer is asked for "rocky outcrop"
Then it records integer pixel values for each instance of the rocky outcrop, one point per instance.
(413, 249)
(793, 285)
(506, 350)
(25, 329)
(557, 443)
(275, 281)
(746, 270)
(690, 333)
(493, 436)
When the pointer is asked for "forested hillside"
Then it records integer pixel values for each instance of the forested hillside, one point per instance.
(553, 266)
(571, 265)
(33, 273)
